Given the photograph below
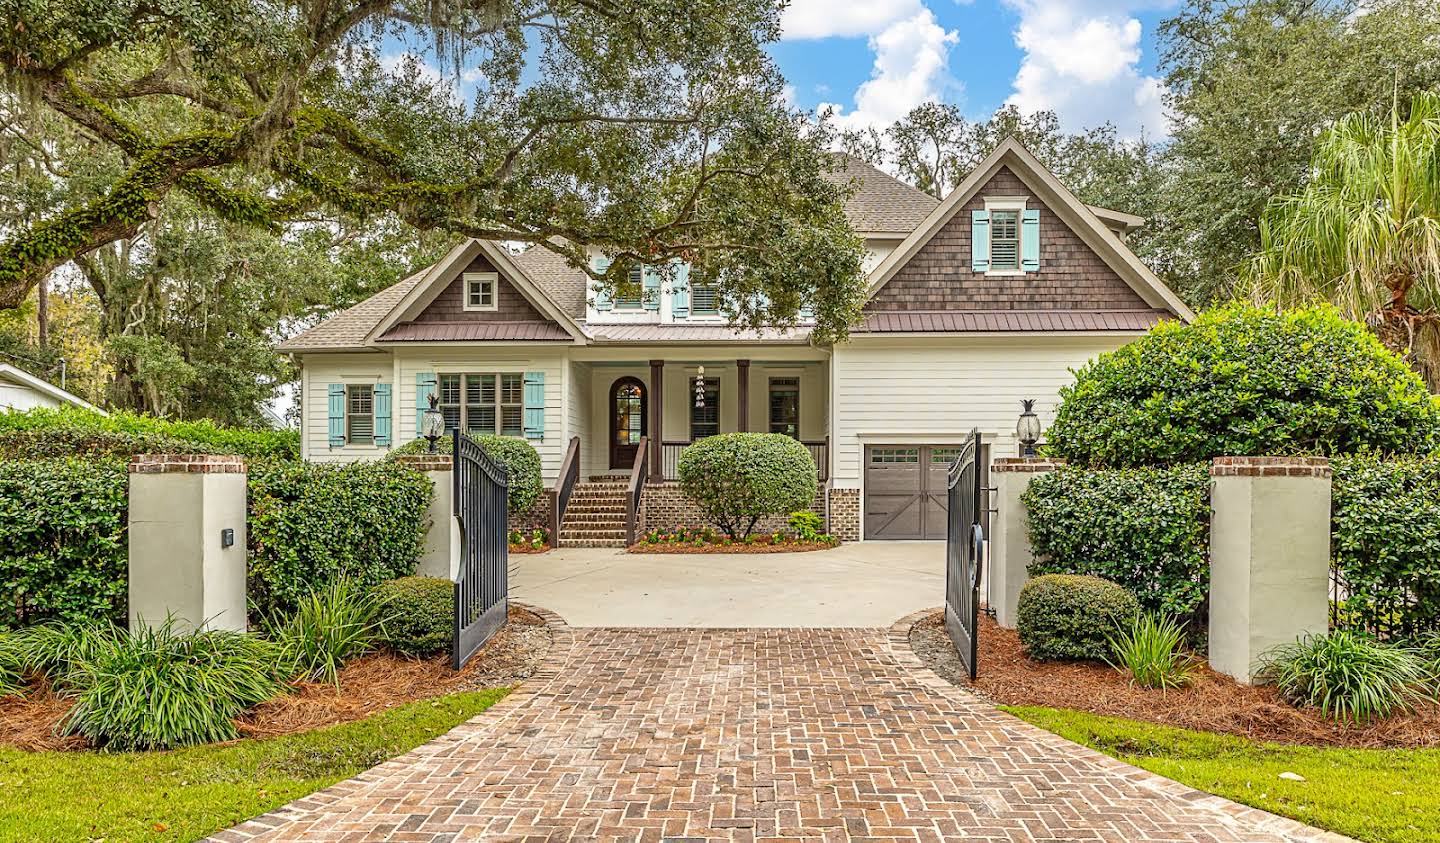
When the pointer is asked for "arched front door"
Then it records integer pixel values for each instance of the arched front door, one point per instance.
(627, 421)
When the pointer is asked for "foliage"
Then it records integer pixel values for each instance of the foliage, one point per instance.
(159, 688)
(202, 433)
(58, 649)
(703, 538)
(535, 538)
(63, 551)
(806, 525)
(333, 625)
(310, 523)
(738, 478)
(1144, 528)
(1381, 795)
(1244, 381)
(1151, 650)
(1062, 617)
(61, 442)
(422, 614)
(1385, 544)
(519, 458)
(1349, 676)
(12, 666)
(190, 793)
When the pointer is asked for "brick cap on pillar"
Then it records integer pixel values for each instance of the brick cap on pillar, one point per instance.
(1270, 467)
(427, 462)
(1026, 464)
(187, 464)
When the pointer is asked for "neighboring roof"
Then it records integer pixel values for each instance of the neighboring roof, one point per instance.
(349, 328)
(881, 204)
(602, 333)
(474, 331)
(23, 378)
(997, 321)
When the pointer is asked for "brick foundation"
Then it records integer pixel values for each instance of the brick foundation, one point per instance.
(663, 507)
(845, 514)
(538, 515)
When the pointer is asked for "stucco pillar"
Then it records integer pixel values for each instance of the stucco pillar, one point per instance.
(1269, 557)
(1010, 554)
(441, 557)
(187, 541)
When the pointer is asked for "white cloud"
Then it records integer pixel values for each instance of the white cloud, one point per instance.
(912, 57)
(826, 18)
(1082, 61)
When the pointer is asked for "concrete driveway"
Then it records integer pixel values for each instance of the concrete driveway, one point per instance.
(868, 584)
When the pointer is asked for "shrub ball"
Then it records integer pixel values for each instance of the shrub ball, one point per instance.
(1071, 617)
(420, 614)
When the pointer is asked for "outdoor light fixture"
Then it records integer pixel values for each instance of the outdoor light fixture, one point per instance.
(1027, 429)
(432, 423)
(700, 388)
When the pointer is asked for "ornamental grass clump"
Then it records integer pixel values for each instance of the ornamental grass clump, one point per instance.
(1151, 649)
(332, 626)
(1349, 676)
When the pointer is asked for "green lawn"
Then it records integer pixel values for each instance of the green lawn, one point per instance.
(188, 794)
(1368, 794)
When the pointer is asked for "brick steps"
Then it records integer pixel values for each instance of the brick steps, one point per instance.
(595, 516)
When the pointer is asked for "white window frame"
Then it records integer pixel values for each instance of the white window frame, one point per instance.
(500, 405)
(351, 415)
(483, 278)
(1008, 203)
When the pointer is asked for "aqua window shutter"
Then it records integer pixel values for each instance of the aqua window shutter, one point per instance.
(680, 292)
(382, 414)
(424, 388)
(650, 289)
(980, 241)
(603, 299)
(534, 405)
(1030, 240)
(337, 415)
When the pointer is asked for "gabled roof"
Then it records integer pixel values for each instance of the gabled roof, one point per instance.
(881, 204)
(1074, 213)
(12, 374)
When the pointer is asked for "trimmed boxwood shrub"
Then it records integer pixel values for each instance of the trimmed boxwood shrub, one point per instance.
(1144, 528)
(1244, 381)
(311, 523)
(257, 444)
(1066, 617)
(63, 551)
(420, 614)
(519, 457)
(738, 478)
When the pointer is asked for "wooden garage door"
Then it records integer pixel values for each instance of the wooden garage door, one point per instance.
(905, 489)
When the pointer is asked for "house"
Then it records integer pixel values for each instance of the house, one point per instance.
(975, 302)
(20, 390)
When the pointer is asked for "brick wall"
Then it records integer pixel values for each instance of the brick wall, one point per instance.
(537, 514)
(845, 514)
(664, 507)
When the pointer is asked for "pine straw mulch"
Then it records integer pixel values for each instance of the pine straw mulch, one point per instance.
(526, 548)
(1213, 703)
(740, 547)
(368, 685)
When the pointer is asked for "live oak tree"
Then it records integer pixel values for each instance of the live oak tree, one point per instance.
(650, 130)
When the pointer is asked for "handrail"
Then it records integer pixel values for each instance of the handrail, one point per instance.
(564, 485)
(633, 491)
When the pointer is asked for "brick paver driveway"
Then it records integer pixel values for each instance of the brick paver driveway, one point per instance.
(753, 734)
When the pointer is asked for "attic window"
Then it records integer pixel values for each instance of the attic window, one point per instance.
(1004, 240)
(480, 292)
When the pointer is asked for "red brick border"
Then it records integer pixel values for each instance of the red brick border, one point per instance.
(1021, 465)
(1270, 467)
(187, 464)
(427, 462)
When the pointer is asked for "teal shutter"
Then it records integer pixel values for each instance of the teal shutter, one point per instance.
(382, 414)
(424, 388)
(980, 241)
(603, 299)
(534, 405)
(680, 292)
(337, 415)
(1030, 241)
(650, 289)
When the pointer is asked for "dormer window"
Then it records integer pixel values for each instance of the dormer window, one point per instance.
(480, 291)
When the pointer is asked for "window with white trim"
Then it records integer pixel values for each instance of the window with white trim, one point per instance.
(360, 414)
(785, 406)
(1005, 240)
(490, 402)
(705, 419)
(480, 291)
(704, 299)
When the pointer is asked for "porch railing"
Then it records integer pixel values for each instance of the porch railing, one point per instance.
(635, 489)
(564, 486)
(670, 458)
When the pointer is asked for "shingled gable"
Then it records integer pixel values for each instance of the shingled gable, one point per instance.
(1086, 269)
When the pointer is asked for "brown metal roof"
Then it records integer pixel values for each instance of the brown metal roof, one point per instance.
(474, 330)
(999, 321)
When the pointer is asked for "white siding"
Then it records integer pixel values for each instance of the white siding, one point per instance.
(321, 370)
(934, 391)
(14, 396)
(577, 411)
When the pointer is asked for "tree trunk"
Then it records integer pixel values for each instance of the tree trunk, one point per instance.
(42, 311)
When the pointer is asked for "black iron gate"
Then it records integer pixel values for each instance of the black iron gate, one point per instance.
(482, 585)
(964, 550)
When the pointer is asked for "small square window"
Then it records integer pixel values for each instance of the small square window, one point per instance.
(480, 293)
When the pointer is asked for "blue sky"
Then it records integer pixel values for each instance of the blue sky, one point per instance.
(1089, 60)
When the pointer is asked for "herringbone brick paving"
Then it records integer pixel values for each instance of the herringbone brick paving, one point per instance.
(754, 734)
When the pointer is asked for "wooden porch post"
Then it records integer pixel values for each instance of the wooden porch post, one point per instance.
(743, 367)
(657, 419)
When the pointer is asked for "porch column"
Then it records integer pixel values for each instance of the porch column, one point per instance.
(657, 419)
(743, 368)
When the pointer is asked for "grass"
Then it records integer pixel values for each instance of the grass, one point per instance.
(191, 793)
(1368, 794)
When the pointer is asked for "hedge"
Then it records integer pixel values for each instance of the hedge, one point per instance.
(1244, 381)
(1144, 528)
(520, 459)
(62, 442)
(1065, 617)
(258, 444)
(738, 478)
(63, 549)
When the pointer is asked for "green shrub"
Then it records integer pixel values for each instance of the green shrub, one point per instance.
(156, 688)
(519, 458)
(12, 666)
(738, 478)
(1349, 676)
(1244, 381)
(311, 523)
(259, 444)
(422, 614)
(807, 526)
(61, 442)
(1062, 617)
(1150, 648)
(63, 550)
(1144, 528)
(333, 625)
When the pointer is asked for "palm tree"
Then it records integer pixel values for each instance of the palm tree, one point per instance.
(1364, 234)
